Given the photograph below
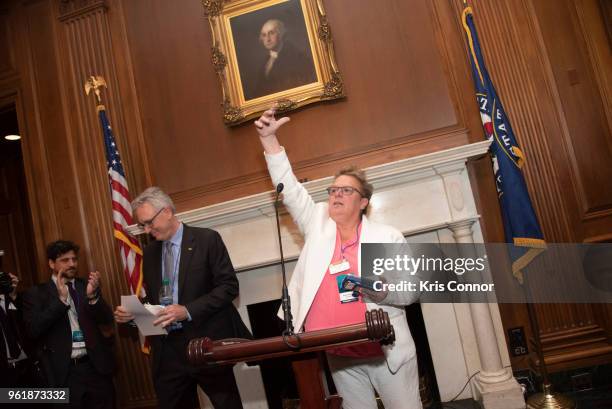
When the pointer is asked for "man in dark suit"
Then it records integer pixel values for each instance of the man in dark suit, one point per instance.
(15, 367)
(284, 66)
(195, 264)
(71, 326)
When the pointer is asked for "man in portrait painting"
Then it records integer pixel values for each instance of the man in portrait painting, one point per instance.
(284, 66)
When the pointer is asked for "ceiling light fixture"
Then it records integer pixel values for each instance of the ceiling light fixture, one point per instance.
(12, 137)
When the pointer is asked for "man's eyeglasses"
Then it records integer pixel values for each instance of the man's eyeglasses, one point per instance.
(345, 190)
(148, 223)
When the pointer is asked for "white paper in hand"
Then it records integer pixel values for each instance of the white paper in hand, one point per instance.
(143, 316)
(153, 309)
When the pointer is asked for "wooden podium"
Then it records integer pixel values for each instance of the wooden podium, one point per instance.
(305, 349)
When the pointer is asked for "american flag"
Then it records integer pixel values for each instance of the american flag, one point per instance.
(131, 253)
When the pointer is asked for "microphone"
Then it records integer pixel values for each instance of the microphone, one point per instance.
(285, 300)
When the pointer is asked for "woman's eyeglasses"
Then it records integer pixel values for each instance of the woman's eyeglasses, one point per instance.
(346, 190)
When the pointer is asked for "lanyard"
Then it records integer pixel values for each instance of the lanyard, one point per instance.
(352, 243)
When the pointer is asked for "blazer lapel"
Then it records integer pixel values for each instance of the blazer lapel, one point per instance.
(52, 293)
(363, 238)
(51, 287)
(187, 248)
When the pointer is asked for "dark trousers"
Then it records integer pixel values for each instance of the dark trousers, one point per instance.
(23, 374)
(176, 380)
(88, 388)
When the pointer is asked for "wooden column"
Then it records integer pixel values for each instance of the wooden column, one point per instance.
(87, 49)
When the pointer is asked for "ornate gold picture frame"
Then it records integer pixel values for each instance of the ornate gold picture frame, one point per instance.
(271, 53)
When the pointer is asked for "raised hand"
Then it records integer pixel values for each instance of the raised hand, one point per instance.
(93, 284)
(267, 124)
(62, 288)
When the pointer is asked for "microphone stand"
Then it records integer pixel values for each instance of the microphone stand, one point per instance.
(285, 299)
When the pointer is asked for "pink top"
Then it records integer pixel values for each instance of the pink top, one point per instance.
(327, 311)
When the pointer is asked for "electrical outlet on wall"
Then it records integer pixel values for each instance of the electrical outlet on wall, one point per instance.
(518, 341)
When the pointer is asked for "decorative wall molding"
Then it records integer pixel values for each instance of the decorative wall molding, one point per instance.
(70, 9)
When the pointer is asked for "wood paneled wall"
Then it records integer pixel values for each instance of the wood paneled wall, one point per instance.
(398, 96)
(409, 92)
(553, 75)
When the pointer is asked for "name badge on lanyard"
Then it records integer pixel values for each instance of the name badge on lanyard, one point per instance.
(335, 268)
(345, 296)
(78, 339)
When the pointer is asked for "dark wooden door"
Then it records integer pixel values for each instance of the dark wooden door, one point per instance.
(15, 223)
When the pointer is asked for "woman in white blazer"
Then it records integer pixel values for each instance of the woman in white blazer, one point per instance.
(393, 375)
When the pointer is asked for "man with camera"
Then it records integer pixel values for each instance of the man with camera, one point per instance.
(14, 364)
(72, 327)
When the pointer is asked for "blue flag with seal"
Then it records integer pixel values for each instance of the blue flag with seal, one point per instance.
(520, 222)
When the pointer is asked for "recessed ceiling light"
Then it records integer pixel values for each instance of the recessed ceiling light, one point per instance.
(12, 137)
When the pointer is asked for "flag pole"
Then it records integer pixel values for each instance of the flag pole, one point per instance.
(130, 250)
(545, 399)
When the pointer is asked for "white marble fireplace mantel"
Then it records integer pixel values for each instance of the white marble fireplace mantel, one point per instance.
(429, 199)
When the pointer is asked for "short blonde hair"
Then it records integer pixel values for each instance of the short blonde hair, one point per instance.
(366, 187)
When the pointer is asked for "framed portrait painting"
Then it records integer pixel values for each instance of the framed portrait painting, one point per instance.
(271, 53)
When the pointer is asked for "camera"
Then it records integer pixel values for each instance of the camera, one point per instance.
(6, 284)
